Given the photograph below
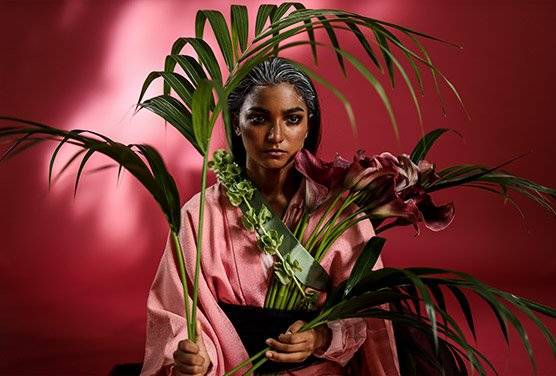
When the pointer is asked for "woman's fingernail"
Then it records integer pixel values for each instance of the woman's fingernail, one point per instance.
(267, 341)
(268, 354)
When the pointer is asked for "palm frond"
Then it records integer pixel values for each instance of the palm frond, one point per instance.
(152, 174)
(423, 146)
(274, 25)
(489, 178)
(365, 289)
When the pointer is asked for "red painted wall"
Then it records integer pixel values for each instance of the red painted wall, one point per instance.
(74, 273)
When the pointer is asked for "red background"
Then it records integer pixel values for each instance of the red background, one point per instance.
(74, 273)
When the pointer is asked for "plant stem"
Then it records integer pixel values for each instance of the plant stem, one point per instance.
(334, 234)
(257, 365)
(245, 362)
(183, 279)
(317, 228)
(299, 225)
(293, 300)
(273, 287)
(268, 292)
(280, 296)
(199, 246)
(303, 227)
(322, 232)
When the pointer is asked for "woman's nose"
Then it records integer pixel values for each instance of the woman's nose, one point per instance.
(275, 133)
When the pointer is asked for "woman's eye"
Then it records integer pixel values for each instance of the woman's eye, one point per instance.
(256, 119)
(294, 119)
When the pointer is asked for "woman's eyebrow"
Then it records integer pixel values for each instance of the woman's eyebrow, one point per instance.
(258, 109)
(295, 109)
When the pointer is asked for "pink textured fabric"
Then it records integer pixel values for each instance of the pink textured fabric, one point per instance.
(235, 271)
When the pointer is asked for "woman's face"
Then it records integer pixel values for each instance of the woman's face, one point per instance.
(273, 122)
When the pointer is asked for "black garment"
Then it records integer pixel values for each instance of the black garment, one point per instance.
(255, 324)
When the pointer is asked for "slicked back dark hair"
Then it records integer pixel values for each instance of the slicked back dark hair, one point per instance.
(274, 71)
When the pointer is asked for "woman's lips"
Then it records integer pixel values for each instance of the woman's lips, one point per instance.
(275, 153)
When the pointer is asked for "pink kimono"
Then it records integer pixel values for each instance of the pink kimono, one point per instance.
(235, 271)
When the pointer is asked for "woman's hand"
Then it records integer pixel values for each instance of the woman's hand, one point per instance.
(295, 346)
(191, 359)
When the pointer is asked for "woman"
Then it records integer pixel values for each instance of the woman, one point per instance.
(275, 114)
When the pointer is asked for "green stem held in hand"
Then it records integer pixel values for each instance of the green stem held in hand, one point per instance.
(318, 228)
(246, 362)
(193, 336)
(183, 279)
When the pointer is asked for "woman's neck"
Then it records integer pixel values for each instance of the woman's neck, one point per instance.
(277, 186)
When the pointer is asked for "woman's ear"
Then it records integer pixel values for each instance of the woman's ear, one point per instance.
(235, 125)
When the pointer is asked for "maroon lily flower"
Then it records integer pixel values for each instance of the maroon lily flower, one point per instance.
(323, 179)
(390, 188)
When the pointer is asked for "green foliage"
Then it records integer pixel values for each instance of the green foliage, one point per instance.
(274, 26)
(142, 161)
(490, 179)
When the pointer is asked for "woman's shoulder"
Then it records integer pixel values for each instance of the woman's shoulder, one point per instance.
(213, 196)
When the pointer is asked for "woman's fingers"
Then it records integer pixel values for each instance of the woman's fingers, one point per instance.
(294, 328)
(187, 359)
(296, 337)
(287, 357)
(188, 346)
(303, 346)
(189, 370)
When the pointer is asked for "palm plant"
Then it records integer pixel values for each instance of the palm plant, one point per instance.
(141, 160)
(193, 110)
(193, 100)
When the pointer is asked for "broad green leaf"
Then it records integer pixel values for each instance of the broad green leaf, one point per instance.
(333, 41)
(465, 307)
(424, 145)
(432, 70)
(522, 306)
(386, 54)
(265, 12)
(240, 26)
(175, 113)
(395, 61)
(221, 32)
(165, 182)
(376, 85)
(365, 262)
(200, 115)
(190, 66)
(177, 82)
(204, 52)
(361, 37)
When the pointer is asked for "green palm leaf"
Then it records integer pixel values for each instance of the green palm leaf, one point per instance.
(264, 13)
(156, 179)
(181, 85)
(240, 27)
(282, 25)
(205, 54)
(423, 146)
(488, 178)
(221, 32)
(200, 115)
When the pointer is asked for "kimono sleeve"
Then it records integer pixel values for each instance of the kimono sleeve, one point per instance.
(166, 324)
